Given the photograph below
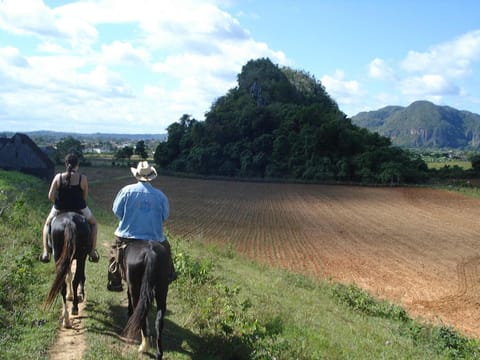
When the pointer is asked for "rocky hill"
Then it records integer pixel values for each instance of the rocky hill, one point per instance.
(424, 124)
(280, 123)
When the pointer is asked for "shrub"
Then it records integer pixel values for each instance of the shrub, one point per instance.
(361, 301)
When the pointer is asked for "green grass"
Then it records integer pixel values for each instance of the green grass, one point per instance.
(463, 164)
(223, 306)
(25, 329)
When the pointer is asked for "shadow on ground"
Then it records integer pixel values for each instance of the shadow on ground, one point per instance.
(176, 339)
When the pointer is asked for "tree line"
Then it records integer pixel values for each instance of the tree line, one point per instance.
(122, 154)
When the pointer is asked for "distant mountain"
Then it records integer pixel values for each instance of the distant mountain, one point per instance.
(56, 136)
(423, 124)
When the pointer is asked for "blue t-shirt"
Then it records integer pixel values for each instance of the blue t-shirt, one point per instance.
(142, 209)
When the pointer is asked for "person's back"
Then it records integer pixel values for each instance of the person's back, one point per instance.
(70, 192)
(141, 210)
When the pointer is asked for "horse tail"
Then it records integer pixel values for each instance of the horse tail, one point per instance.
(64, 262)
(142, 308)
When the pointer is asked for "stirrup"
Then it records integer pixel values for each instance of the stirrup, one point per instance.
(113, 267)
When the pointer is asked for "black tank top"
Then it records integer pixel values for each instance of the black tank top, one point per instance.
(70, 197)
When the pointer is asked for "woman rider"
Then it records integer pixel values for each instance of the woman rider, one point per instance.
(68, 192)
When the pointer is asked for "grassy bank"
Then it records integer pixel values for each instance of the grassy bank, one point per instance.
(26, 331)
(221, 307)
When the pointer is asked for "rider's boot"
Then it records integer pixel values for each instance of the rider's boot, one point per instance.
(173, 274)
(47, 246)
(93, 255)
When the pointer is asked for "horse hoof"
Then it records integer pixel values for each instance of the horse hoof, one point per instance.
(44, 258)
(75, 311)
(143, 349)
(67, 324)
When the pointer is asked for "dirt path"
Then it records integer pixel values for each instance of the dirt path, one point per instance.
(70, 344)
(417, 247)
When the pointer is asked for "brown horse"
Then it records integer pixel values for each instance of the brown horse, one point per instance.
(70, 238)
(146, 269)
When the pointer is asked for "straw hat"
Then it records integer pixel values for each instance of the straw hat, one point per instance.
(144, 172)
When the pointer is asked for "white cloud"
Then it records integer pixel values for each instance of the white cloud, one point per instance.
(438, 74)
(378, 69)
(11, 56)
(27, 17)
(348, 94)
(429, 84)
(182, 55)
(342, 90)
(120, 52)
(453, 59)
(52, 48)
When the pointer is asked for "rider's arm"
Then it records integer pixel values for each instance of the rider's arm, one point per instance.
(53, 188)
(118, 204)
(166, 209)
(84, 186)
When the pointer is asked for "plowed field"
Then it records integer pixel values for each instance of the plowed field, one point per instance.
(416, 247)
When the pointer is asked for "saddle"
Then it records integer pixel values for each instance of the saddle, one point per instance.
(49, 241)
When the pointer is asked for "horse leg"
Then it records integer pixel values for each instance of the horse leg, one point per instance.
(144, 332)
(78, 279)
(81, 291)
(161, 299)
(68, 281)
(159, 329)
(133, 292)
(66, 323)
(143, 348)
(130, 303)
(81, 282)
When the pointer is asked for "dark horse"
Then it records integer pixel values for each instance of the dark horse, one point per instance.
(146, 268)
(70, 240)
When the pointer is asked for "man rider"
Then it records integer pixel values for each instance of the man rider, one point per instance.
(141, 210)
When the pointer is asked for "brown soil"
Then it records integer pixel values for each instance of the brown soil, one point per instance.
(416, 247)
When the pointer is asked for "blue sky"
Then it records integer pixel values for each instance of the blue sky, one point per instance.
(124, 66)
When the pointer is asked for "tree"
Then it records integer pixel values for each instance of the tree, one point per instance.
(124, 153)
(66, 146)
(475, 160)
(160, 157)
(390, 173)
(141, 149)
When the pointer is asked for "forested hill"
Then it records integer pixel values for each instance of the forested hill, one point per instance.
(424, 124)
(281, 123)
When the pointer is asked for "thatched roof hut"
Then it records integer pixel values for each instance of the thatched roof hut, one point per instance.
(20, 153)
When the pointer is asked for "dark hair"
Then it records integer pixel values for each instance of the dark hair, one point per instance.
(71, 161)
